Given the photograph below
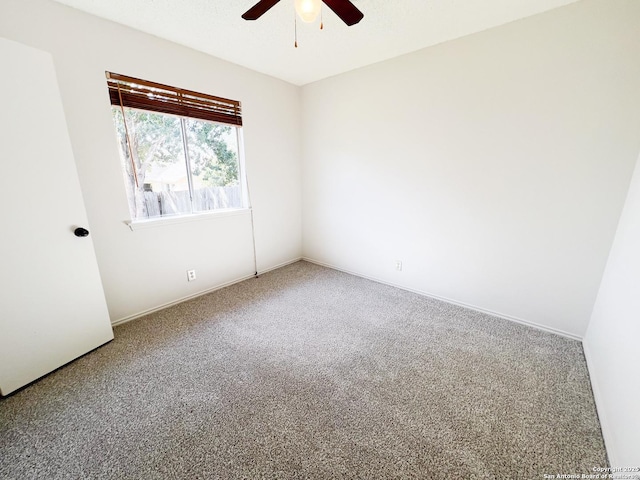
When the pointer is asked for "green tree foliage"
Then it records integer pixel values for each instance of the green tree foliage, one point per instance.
(211, 157)
(156, 141)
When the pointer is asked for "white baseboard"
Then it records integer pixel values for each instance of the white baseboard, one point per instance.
(357, 274)
(451, 301)
(126, 319)
(605, 426)
(280, 265)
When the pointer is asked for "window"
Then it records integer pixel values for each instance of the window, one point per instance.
(180, 150)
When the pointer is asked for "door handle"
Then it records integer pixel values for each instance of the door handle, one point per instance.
(81, 232)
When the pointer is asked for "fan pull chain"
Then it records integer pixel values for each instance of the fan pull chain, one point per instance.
(295, 29)
(321, 22)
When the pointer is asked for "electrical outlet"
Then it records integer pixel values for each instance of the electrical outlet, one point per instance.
(399, 265)
(191, 275)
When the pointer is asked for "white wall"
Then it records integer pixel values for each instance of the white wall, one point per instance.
(611, 342)
(145, 269)
(494, 166)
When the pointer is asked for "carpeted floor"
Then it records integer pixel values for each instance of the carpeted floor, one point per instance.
(307, 372)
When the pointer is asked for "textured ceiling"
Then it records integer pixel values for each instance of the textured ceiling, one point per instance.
(389, 28)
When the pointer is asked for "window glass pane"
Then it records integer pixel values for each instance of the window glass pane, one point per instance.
(158, 157)
(213, 155)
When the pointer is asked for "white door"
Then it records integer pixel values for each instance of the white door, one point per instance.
(52, 306)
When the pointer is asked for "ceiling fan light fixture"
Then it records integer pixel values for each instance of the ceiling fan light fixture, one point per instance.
(308, 10)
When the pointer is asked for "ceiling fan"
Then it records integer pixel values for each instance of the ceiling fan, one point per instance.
(344, 9)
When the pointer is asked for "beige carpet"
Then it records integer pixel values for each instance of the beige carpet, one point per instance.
(307, 372)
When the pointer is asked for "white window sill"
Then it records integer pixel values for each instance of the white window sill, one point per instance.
(195, 217)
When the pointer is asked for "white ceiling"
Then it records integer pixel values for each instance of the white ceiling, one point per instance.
(389, 28)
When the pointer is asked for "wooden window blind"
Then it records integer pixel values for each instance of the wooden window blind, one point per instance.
(135, 93)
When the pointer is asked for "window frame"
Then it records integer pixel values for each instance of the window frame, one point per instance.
(143, 95)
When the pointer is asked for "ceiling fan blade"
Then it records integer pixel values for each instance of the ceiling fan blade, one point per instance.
(259, 9)
(346, 10)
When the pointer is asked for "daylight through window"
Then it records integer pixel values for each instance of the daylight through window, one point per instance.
(180, 150)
